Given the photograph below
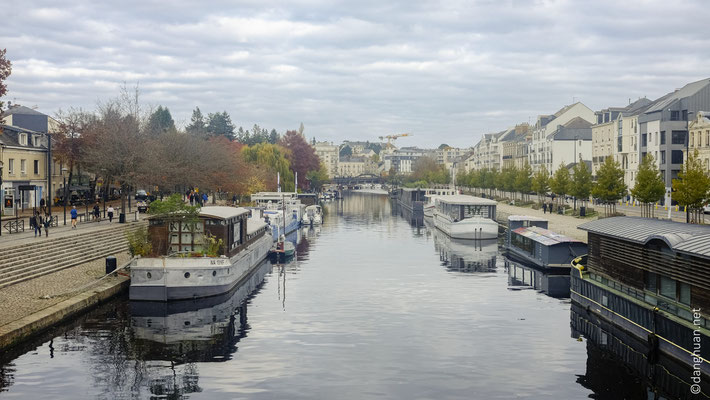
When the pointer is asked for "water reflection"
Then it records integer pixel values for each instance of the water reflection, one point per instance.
(618, 365)
(459, 255)
(552, 283)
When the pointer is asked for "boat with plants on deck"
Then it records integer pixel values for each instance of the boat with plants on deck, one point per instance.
(466, 217)
(199, 255)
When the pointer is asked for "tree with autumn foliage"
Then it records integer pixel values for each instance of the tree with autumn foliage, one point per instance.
(5, 71)
(76, 132)
(301, 155)
(272, 159)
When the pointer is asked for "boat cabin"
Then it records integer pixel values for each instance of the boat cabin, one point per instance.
(460, 207)
(264, 198)
(544, 247)
(174, 235)
(308, 199)
(523, 221)
(661, 263)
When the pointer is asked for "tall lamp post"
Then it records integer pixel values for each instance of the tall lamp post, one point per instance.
(64, 199)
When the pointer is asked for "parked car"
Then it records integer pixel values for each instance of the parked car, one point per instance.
(141, 195)
(706, 209)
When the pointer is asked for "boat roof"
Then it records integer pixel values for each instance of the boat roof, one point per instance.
(544, 236)
(465, 199)
(679, 236)
(525, 218)
(273, 195)
(313, 206)
(254, 224)
(222, 212)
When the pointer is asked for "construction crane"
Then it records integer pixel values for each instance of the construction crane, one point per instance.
(390, 138)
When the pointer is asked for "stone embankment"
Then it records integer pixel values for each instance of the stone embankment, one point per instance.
(46, 281)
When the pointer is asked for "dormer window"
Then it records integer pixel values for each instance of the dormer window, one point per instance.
(35, 140)
(23, 139)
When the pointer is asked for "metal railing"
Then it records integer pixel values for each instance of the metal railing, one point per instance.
(15, 225)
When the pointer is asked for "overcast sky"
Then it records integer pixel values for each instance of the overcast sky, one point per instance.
(444, 71)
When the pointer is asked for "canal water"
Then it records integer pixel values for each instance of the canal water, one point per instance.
(374, 306)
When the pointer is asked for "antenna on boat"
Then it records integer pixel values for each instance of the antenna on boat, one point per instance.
(295, 187)
(278, 182)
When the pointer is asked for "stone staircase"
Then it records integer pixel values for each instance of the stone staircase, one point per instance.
(24, 262)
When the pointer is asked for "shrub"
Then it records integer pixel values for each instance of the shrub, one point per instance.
(139, 242)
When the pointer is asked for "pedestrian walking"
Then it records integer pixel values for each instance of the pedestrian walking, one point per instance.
(192, 198)
(97, 212)
(109, 211)
(47, 223)
(544, 208)
(41, 205)
(37, 223)
(234, 199)
(204, 198)
(74, 216)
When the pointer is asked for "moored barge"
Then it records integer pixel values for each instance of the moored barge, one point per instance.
(199, 257)
(651, 278)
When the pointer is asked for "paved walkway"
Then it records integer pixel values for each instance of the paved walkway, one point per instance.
(563, 224)
(25, 298)
(28, 236)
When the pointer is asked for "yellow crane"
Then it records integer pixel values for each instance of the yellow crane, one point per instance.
(390, 138)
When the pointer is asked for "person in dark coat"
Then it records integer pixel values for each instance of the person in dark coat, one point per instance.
(544, 208)
(37, 223)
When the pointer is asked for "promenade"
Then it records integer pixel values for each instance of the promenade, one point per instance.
(40, 301)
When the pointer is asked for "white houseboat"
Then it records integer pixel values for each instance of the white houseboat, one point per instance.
(179, 266)
(466, 217)
(313, 215)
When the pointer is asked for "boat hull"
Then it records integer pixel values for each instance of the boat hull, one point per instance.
(175, 278)
(469, 228)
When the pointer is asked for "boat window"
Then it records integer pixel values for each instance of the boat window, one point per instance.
(667, 287)
(651, 281)
(684, 293)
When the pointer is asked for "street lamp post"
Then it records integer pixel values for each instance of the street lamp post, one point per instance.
(64, 199)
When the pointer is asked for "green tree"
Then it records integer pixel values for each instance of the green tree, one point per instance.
(649, 186)
(273, 157)
(541, 182)
(581, 185)
(197, 126)
(220, 124)
(160, 121)
(692, 188)
(560, 183)
(523, 181)
(318, 177)
(610, 186)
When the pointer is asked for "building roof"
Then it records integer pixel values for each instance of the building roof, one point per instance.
(21, 110)
(466, 200)
(637, 107)
(681, 237)
(686, 91)
(575, 129)
(9, 136)
(544, 236)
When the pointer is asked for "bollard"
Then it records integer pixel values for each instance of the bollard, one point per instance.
(110, 264)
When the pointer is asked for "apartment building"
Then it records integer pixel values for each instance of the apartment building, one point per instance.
(24, 174)
(541, 145)
(402, 160)
(663, 126)
(328, 154)
(699, 129)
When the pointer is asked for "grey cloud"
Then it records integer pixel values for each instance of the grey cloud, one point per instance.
(445, 71)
